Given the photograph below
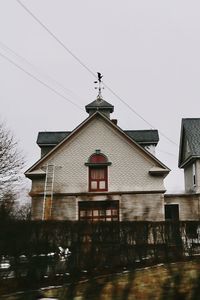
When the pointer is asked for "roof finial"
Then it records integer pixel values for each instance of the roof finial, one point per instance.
(100, 87)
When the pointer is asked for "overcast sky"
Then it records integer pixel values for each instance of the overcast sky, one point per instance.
(147, 50)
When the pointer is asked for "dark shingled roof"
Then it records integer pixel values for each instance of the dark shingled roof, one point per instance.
(51, 137)
(192, 133)
(140, 136)
(143, 136)
(99, 103)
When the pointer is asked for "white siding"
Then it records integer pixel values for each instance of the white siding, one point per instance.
(129, 169)
(188, 174)
(189, 187)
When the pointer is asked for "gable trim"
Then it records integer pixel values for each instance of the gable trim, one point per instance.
(147, 154)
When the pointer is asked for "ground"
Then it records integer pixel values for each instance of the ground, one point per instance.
(178, 281)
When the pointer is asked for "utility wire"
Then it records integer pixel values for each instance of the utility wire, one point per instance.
(89, 70)
(57, 39)
(40, 81)
(37, 79)
(24, 60)
(170, 154)
(152, 127)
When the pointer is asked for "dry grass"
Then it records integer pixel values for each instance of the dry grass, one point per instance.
(178, 281)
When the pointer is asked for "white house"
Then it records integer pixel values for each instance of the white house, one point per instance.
(98, 172)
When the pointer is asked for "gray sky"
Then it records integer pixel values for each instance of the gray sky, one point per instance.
(147, 50)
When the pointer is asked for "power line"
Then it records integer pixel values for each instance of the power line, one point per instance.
(168, 153)
(153, 127)
(37, 79)
(57, 39)
(34, 77)
(89, 70)
(5, 47)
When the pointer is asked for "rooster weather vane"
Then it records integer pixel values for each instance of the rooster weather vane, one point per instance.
(100, 86)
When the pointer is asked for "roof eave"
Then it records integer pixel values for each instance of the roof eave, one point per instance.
(190, 159)
(89, 108)
(43, 144)
(148, 143)
(159, 173)
(114, 126)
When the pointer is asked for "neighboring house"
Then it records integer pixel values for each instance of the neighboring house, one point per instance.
(186, 206)
(189, 154)
(98, 172)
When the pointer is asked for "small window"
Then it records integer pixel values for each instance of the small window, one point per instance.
(171, 212)
(102, 212)
(93, 185)
(108, 212)
(98, 172)
(89, 213)
(95, 213)
(98, 178)
(82, 213)
(194, 174)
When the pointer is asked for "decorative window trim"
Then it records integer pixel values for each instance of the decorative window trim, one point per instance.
(98, 162)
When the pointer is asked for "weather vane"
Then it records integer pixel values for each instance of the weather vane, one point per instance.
(100, 86)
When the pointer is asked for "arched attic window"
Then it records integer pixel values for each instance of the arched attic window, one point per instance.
(98, 172)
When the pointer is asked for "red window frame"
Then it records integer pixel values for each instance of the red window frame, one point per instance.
(95, 211)
(103, 170)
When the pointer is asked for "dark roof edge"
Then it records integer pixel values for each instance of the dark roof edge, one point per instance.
(52, 133)
(42, 144)
(188, 160)
(180, 145)
(147, 153)
(154, 141)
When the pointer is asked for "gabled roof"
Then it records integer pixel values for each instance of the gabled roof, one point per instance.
(190, 134)
(146, 153)
(142, 137)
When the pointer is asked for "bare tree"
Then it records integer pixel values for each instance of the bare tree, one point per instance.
(11, 164)
(22, 212)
